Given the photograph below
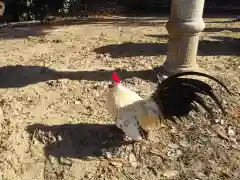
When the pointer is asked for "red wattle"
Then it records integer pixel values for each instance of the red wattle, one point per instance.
(116, 78)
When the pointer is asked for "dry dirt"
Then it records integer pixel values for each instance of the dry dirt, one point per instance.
(54, 123)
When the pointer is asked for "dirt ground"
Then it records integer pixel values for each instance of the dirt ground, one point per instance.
(53, 84)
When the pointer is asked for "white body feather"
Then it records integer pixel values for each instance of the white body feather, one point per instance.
(119, 97)
(129, 110)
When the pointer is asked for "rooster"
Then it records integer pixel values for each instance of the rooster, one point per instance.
(175, 97)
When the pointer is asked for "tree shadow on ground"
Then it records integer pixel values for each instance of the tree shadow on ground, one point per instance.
(224, 21)
(77, 140)
(222, 46)
(133, 49)
(212, 29)
(20, 76)
(23, 30)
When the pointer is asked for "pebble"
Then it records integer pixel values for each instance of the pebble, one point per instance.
(170, 173)
(116, 164)
(178, 153)
(222, 122)
(173, 146)
(231, 132)
(173, 130)
(132, 160)
(164, 77)
(171, 153)
(236, 146)
(184, 143)
(77, 102)
(220, 131)
(106, 153)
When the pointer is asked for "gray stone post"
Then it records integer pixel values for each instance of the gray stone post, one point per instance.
(184, 27)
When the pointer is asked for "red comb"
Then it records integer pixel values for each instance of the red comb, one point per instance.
(116, 78)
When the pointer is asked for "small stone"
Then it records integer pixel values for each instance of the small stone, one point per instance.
(59, 138)
(170, 173)
(116, 164)
(108, 155)
(236, 146)
(224, 102)
(77, 102)
(173, 130)
(164, 77)
(171, 153)
(173, 146)
(184, 143)
(200, 175)
(132, 160)
(178, 153)
(220, 131)
(231, 132)
(222, 122)
(220, 66)
(233, 139)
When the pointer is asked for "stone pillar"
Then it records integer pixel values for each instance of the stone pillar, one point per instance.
(2, 7)
(184, 27)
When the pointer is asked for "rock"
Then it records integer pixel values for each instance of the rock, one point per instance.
(230, 131)
(222, 122)
(132, 160)
(116, 164)
(106, 153)
(173, 130)
(77, 102)
(158, 153)
(184, 143)
(220, 131)
(236, 146)
(217, 120)
(170, 173)
(173, 146)
(164, 77)
(200, 175)
(178, 153)
(171, 153)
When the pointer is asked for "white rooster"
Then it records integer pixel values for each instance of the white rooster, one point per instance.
(173, 98)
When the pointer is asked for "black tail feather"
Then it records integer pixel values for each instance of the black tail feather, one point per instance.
(176, 96)
(195, 108)
(200, 74)
(212, 95)
(201, 102)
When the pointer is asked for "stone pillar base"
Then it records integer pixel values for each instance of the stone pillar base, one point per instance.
(184, 27)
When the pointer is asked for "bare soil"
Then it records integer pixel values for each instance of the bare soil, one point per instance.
(54, 123)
